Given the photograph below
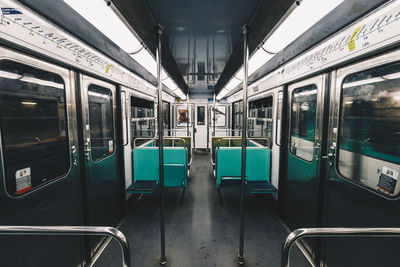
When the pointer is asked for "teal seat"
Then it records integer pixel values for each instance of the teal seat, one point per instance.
(146, 168)
(258, 165)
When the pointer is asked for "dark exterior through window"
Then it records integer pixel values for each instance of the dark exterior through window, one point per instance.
(33, 126)
(201, 115)
(369, 129)
(302, 126)
(101, 121)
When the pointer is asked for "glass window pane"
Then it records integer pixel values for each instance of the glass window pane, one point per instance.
(201, 115)
(369, 147)
(220, 115)
(166, 116)
(279, 119)
(142, 119)
(101, 121)
(260, 118)
(33, 126)
(303, 116)
(237, 118)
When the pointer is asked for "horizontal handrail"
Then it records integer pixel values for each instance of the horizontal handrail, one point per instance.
(238, 138)
(164, 138)
(73, 230)
(333, 232)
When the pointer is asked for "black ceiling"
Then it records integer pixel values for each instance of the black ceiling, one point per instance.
(266, 16)
(201, 35)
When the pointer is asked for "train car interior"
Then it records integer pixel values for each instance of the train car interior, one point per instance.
(199, 133)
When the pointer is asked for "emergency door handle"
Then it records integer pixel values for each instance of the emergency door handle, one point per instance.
(74, 155)
(87, 150)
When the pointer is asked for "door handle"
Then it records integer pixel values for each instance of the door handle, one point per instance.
(87, 150)
(74, 155)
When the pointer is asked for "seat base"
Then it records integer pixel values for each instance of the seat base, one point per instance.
(261, 187)
(143, 187)
(234, 181)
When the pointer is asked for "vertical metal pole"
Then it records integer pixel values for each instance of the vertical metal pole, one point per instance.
(244, 142)
(163, 259)
(214, 133)
(187, 114)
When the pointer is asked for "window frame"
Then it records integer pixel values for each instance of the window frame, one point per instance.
(95, 83)
(261, 97)
(337, 95)
(71, 129)
(279, 110)
(294, 87)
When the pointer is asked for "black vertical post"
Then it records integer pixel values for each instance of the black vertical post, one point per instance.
(244, 143)
(214, 134)
(187, 116)
(163, 259)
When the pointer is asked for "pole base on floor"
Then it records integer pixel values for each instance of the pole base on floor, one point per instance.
(163, 260)
(241, 260)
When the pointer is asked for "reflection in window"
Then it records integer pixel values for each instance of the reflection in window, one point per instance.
(166, 115)
(201, 115)
(237, 118)
(33, 126)
(220, 115)
(303, 116)
(142, 119)
(260, 118)
(279, 111)
(369, 147)
(101, 121)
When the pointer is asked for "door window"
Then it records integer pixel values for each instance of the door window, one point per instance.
(201, 115)
(279, 119)
(166, 115)
(303, 117)
(369, 131)
(101, 121)
(33, 126)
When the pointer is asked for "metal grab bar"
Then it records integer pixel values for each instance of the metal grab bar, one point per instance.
(73, 230)
(239, 138)
(333, 232)
(165, 138)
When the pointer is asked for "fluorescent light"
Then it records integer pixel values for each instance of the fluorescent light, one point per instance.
(232, 83)
(306, 93)
(105, 20)
(9, 75)
(99, 95)
(28, 103)
(145, 59)
(259, 58)
(301, 19)
(170, 84)
(41, 82)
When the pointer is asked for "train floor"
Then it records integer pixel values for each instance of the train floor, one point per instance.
(202, 231)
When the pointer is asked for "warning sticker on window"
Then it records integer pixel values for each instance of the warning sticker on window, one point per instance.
(23, 180)
(111, 146)
(388, 179)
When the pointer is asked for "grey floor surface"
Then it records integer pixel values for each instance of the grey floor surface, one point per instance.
(202, 231)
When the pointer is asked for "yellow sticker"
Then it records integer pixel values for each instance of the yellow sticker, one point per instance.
(108, 68)
(352, 44)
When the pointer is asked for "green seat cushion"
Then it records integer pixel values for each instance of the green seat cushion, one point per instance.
(146, 168)
(258, 160)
